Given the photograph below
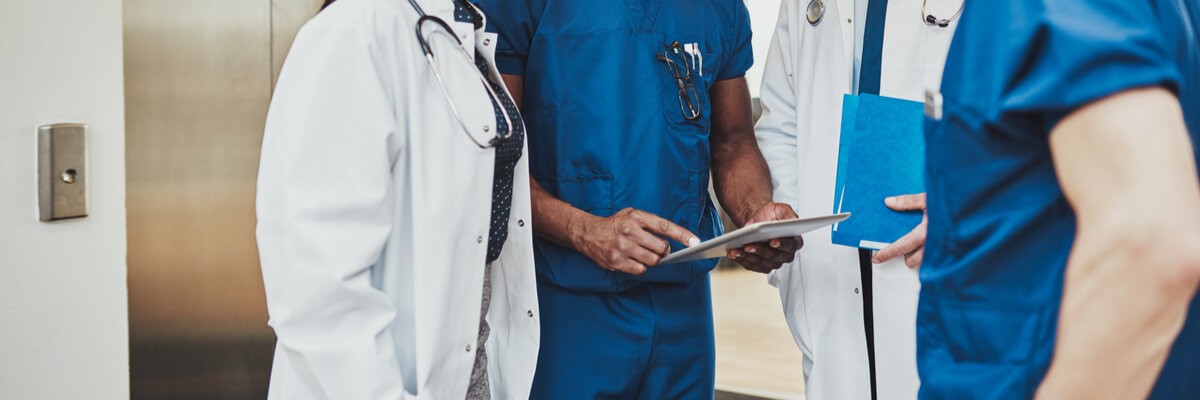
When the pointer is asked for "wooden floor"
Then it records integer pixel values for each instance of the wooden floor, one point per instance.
(755, 351)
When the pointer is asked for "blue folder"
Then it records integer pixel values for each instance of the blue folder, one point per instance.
(881, 154)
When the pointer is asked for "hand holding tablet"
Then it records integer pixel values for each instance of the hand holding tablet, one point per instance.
(753, 233)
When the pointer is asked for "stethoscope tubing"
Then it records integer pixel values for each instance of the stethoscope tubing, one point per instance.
(427, 50)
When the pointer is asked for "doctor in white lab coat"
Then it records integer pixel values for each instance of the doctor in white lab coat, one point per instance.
(814, 59)
(374, 209)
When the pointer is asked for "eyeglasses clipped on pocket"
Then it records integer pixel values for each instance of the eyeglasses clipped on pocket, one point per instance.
(685, 62)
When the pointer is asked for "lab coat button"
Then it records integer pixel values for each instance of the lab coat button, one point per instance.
(521, 222)
(855, 290)
(487, 128)
(530, 313)
(479, 239)
(487, 42)
(468, 348)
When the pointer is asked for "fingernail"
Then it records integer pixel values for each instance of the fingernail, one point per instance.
(890, 200)
(751, 250)
(775, 244)
(693, 241)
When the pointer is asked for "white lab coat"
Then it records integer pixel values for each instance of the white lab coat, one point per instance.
(808, 70)
(373, 218)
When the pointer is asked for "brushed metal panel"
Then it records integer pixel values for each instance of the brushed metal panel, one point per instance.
(198, 81)
(62, 172)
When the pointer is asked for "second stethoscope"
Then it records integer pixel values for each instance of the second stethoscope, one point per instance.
(428, 51)
(931, 20)
(815, 12)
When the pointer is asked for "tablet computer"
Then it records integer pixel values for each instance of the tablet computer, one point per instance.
(753, 233)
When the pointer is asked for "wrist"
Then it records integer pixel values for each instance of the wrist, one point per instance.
(749, 208)
(577, 229)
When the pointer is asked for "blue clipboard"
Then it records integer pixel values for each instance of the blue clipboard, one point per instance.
(881, 154)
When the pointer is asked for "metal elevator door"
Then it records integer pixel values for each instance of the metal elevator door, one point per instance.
(198, 80)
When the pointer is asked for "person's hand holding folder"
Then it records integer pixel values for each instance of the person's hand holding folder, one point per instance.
(881, 159)
(911, 245)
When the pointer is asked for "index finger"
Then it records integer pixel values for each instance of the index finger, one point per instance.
(906, 244)
(658, 225)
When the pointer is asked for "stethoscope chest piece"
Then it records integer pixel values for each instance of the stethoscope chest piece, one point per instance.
(815, 11)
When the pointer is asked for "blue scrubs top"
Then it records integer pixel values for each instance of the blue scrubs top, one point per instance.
(603, 114)
(999, 227)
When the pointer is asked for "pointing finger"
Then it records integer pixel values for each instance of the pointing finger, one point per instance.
(656, 224)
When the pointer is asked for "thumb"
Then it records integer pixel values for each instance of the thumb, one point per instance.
(907, 202)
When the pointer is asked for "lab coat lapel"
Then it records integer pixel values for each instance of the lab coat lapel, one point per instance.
(822, 60)
(913, 51)
(460, 76)
(445, 9)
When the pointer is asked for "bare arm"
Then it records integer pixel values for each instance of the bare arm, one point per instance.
(628, 241)
(1126, 166)
(743, 182)
(741, 177)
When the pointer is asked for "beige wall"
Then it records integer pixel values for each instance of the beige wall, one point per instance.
(62, 285)
(763, 14)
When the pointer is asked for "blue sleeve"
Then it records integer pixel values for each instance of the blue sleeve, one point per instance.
(1078, 52)
(741, 54)
(516, 23)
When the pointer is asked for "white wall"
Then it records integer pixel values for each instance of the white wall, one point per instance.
(63, 318)
(763, 14)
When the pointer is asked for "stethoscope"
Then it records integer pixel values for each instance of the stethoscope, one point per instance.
(815, 12)
(428, 50)
(931, 20)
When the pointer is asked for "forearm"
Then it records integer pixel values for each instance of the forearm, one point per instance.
(740, 174)
(557, 220)
(1126, 294)
(1126, 166)
(553, 219)
(741, 178)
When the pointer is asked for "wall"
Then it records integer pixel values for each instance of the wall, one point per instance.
(763, 14)
(62, 285)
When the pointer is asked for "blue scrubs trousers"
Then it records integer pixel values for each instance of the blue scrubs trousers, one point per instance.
(653, 341)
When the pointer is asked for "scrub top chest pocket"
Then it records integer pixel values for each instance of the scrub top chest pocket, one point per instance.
(685, 79)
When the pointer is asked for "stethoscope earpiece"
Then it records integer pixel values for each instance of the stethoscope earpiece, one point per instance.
(932, 20)
(942, 23)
